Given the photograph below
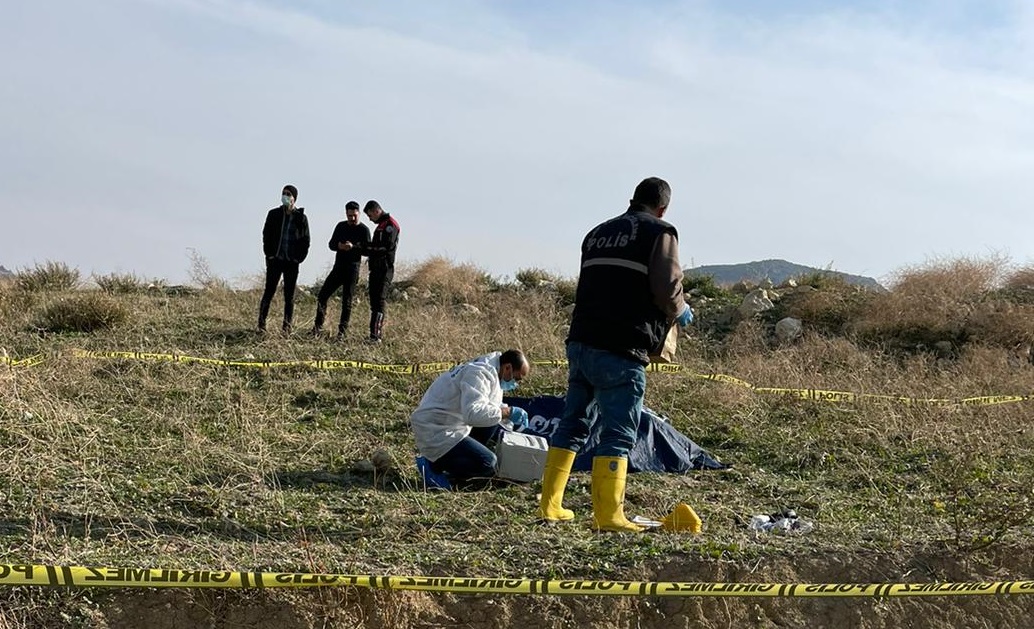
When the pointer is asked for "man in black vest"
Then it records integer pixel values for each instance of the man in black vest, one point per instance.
(629, 295)
(348, 239)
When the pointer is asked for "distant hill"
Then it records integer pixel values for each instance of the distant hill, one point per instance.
(5, 273)
(776, 270)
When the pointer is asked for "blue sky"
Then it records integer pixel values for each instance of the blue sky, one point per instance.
(866, 136)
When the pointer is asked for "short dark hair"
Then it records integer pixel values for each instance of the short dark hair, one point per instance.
(292, 190)
(652, 192)
(352, 205)
(514, 357)
(371, 206)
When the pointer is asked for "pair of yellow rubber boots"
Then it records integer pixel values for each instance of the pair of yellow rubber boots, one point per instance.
(608, 495)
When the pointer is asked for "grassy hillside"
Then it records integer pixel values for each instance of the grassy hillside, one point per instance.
(137, 463)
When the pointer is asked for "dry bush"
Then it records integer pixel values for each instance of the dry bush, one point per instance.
(1001, 324)
(829, 309)
(48, 276)
(120, 283)
(535, 278)
(748, 339)
(929, 304)
(14, 304)
(1020, 279)
(445, 278)
(84, 312)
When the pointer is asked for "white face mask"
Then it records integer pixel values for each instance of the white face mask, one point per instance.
(286, 200)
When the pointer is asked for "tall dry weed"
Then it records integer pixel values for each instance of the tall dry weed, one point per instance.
(929, 304)
(449, 280)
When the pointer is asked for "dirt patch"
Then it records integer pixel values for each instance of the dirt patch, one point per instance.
(354, 607)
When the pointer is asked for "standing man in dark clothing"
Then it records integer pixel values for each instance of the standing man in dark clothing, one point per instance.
(629, 294)
(348, 241)
(381, 252)
(285, 241)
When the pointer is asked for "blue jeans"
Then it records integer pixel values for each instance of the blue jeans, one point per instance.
(470, 463)
(618, 385)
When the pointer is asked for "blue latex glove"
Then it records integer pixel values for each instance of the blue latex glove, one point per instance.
(518, 417)
(686, 317)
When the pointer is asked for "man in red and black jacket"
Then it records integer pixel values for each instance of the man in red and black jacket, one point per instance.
(381, 252)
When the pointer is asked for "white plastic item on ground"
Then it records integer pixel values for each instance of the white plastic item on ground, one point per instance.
(644, 521)
(787, 524)
(521, 457)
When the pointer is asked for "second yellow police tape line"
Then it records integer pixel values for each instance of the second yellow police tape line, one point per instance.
(821, 395)
(81, 576)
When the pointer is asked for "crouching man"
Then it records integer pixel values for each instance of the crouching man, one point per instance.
(461, 413)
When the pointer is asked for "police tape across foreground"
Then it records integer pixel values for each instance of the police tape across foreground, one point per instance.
(82, 576)
(818, 395)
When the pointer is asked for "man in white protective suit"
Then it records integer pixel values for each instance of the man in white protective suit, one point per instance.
(461, 415)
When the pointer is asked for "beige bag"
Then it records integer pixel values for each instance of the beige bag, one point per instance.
(667, 353)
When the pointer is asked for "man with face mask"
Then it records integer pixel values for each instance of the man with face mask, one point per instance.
(348, 240)
(285, 241)
(462, 412)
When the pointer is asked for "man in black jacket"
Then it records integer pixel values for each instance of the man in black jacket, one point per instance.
(348, 240)
(285, 241)
(381, 252)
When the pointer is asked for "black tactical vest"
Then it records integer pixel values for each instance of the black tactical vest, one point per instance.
(614, 306)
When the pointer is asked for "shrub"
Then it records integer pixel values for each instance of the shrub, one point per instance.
(1020, 279)
(565, 291)
(535, 278)
(85, 312)
(929, 304)
(119, 283)
(49, 276)
(1001, 323)
(828, 310)
(441, 275)
(704, 286)
(822, 280)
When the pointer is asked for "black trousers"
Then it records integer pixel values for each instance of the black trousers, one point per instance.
(275, 269)
(343, 276)
(380, 284)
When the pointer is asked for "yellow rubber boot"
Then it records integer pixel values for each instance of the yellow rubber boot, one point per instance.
(682, 518)
(554, 481)
(608, 495)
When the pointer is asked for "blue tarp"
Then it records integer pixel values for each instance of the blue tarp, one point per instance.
(659, 447)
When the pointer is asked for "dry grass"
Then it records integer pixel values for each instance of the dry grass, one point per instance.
(158, 464)
(444, 278)
(48, 276)
(929, 304)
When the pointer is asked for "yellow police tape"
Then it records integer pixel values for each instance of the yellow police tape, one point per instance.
(79, 576)
(819, 395)
(35, 359)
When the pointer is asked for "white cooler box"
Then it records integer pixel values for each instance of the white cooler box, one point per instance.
(521, 457)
